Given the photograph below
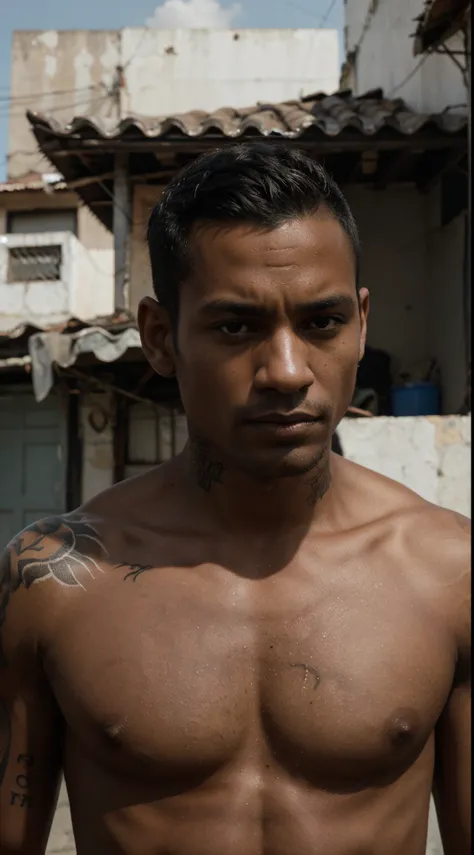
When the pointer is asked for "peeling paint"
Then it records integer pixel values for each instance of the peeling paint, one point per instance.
(51, 65)
(49, 38)
(430, 455)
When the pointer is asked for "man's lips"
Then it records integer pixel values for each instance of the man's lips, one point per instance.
(285, 419)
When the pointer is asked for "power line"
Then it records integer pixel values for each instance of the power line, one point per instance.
(70, 106)
(29, 96)
(304, 9)
(327, 13)
(409, 76)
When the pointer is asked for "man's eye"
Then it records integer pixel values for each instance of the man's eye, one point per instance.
(324, 323)
(234, 328)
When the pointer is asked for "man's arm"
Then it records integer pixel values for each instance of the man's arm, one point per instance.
(452, 785)
(30, 724)
(453, 772)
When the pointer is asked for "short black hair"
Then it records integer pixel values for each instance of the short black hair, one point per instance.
(263, 183)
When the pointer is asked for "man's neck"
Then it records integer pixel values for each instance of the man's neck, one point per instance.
(253, 505)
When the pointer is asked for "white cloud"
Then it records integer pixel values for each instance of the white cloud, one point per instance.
(193, 15)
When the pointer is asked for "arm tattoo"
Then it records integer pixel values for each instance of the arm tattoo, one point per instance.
(21, 796)
(5, 739)
(57, 548)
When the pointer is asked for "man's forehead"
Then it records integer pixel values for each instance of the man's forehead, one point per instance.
(302, 239)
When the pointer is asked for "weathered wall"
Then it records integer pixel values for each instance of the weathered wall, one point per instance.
(85, 289)
(385, 56)
(208, 69)
(65, 74)
(90, 231)
(431, 456)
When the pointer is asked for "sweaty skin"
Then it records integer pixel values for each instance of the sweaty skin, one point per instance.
(230, 662)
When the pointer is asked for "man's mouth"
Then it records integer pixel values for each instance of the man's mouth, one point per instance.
(286, 419)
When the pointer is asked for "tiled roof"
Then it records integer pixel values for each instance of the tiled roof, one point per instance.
(330, 114)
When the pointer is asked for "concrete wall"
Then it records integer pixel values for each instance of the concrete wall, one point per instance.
(208, 69)
(90, 231)
(385, 56)
(84, 290)
(72, 73)
(431, 456)
(64, 74)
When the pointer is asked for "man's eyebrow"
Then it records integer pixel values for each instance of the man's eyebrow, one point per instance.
(334, 301)
(231, 307)
(248, 309)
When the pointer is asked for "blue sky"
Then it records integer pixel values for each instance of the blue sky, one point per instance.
(114, 14)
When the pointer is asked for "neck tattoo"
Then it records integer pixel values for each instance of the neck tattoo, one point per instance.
(208, 471)
(319, 485)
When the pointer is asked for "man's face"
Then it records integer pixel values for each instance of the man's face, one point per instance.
(269, 338)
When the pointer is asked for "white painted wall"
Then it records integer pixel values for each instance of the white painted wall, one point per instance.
(385, 57)
(85, 289)
(431, 455)
(209, 69)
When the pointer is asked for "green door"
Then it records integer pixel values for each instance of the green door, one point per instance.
(32, 461)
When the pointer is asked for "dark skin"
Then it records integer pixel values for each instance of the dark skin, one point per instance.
(259, 647)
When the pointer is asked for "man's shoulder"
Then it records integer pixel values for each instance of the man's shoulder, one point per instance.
(431, 543)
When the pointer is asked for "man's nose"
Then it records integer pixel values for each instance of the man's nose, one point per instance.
(283, 364)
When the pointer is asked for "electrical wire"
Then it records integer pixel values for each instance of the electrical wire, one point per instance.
(327, 14)
(27, 97)
(408, 76)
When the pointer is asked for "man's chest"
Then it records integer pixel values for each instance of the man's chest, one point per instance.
(340, 683)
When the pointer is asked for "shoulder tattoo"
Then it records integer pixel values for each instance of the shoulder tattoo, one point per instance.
(56, 548)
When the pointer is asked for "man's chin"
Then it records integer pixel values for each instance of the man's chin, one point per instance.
(280, 463)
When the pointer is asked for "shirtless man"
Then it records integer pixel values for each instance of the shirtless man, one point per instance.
(258, 648)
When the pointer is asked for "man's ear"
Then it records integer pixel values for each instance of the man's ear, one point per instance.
(364, 303)
(156, 334)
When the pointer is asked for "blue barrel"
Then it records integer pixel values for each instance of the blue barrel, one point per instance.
(415, 399)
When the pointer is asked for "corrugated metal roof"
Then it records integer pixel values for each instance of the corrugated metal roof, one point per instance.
(330, 114)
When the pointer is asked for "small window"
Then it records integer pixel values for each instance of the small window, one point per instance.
(36, 222)
(34, 263)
